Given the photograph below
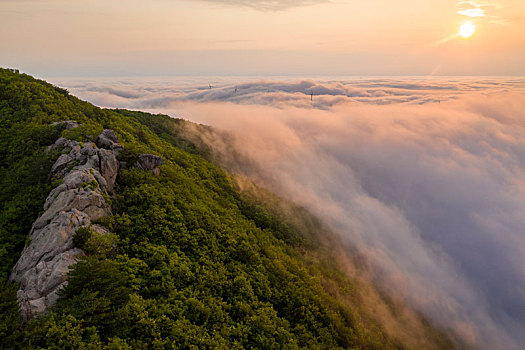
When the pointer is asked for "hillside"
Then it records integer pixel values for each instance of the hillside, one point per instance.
(193, 260)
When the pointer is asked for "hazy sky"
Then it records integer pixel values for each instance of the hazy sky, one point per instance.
(261, 37)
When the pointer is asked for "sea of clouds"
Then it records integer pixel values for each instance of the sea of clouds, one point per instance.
(426, 176)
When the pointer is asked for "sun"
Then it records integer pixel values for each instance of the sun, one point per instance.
(466, 30)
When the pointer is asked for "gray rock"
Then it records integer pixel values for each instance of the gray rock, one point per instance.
(104, 142)
(89, 156)
(88, 173)
(107, 139)
(116, 146)
(110, 134)
(67, 124)
(62, 142)
(79, 190)
(99, 228)
(50, 240)
(149, 162)
(39, 286)
(61, 163)
(101, 162)
(109, 167)
(66, 161)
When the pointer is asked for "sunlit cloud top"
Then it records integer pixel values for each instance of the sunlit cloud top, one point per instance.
(471, 9)
(472, 12)
(494, 12)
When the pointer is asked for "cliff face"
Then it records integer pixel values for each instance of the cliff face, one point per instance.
(88, 173)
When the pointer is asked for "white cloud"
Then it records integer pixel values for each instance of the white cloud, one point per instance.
(423, 176)
(283, 93)
(476, 12)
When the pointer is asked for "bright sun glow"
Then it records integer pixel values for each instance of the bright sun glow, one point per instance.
(467, 29)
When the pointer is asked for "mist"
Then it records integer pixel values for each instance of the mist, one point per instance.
(424, 177)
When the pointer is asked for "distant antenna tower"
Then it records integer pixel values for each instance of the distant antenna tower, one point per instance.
(311, 93)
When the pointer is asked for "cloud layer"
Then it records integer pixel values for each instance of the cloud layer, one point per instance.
(147, 93)
(423, 176)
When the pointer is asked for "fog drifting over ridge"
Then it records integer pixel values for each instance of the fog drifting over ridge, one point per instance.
(424, 176)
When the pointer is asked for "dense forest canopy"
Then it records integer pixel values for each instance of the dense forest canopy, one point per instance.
(191, 261)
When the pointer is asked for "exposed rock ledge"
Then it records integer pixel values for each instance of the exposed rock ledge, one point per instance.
(88, 171)
(149, 162)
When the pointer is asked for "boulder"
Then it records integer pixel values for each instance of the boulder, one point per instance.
(61, 163)
(106, 139)
(109, 167)
(149, 162)
(67, 124)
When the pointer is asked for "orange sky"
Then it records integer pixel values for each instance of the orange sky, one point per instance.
(261, 37)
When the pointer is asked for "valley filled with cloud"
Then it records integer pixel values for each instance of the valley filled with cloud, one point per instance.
(426, 177)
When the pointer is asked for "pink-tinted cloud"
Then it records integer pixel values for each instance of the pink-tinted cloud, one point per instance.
(425, 177)
(284, 93)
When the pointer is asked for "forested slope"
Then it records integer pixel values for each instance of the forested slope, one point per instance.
(193, 262)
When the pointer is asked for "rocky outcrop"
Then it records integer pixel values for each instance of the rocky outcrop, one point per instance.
(88, 173)
(149, 162)
(108, 139)
(67, 124)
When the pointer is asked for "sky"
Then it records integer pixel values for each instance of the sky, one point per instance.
(423, 176)
(51, 38)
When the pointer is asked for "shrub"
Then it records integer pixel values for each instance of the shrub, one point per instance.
(101, 245)
(82, 236)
